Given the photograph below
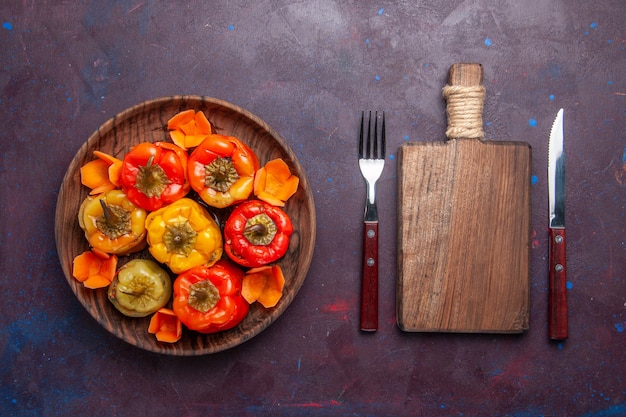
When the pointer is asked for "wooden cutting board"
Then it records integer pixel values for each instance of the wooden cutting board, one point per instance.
(464, 223)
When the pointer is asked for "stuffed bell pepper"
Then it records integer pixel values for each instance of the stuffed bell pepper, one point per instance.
(112, 223)
(221, 170)
(208, 299)
(183, 235)
(154, 174)
(257, 233)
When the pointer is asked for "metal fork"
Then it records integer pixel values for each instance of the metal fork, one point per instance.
(371, 163)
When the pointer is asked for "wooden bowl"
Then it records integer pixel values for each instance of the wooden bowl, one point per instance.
(147, 122)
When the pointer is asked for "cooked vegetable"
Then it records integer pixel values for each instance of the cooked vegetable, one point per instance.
(154, 174)
(274, 183)
(264, 284)
(140, 288)
(113, 224)
(183, 235)
(142, 200)
(189, 128)
(208, 299)
(94, 269)
(114, 166)
(257, 233)
(166, 326)
(102, 174)
(221, 170)
(95, 175)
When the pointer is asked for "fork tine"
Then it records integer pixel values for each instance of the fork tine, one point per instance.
(382, 139)
(375, 135)
(368, 153)
(368, 148)
(361, 136)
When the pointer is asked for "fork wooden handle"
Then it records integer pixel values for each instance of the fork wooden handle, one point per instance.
(369, 280)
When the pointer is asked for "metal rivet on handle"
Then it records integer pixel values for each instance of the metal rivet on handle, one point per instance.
(558, 267)
(370, 262)
(558, 239)
(371, 233)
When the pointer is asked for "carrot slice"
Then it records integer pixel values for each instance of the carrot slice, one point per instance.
(115, 170)
(263, 284)
(96, 281)
(274, 183)
(114, 166)
(178, 137)
(203, 124)
(94, 174)
(191, 141)
(180, 119)
(103, 188)
(102, 174)
(81, 264)
(189, 128)
(109, 159)
(253, 286)
(94, 270)
(108, 267)
(166, 326)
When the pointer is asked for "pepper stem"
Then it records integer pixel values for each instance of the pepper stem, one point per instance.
(203, 296)
(220, 174)
(108, 214)
(152, 179)
(260, 230)
(114, 221)
(180, 238)
(134, 293)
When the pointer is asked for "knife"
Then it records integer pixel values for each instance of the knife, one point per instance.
(556, 197)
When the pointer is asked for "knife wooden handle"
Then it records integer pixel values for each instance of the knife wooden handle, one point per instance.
(558, 286)
(369, 280)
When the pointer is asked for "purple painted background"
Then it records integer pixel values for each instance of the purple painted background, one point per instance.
(308, 69)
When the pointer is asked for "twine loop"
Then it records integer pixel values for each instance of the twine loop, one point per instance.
(465, 111)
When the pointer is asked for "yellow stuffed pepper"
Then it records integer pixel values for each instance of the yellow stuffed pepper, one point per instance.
(183, 235)
(113, 224)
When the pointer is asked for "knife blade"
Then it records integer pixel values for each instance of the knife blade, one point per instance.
(557, 308)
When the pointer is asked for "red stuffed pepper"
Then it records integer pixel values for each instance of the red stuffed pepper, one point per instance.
(154, 175)
(221, 170)
(208, 299)
(257, 233)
